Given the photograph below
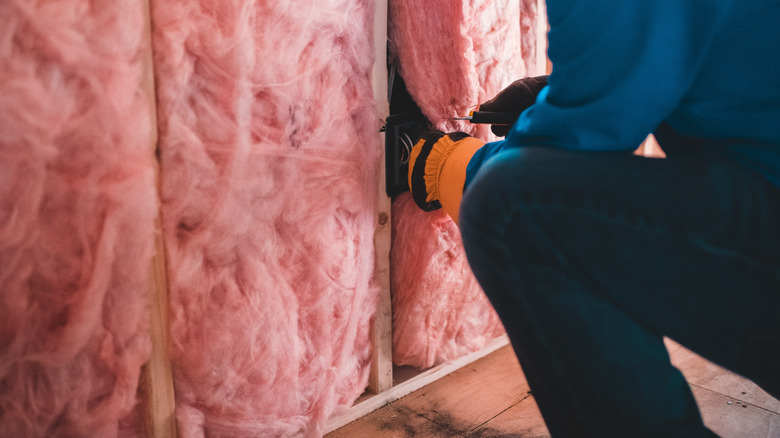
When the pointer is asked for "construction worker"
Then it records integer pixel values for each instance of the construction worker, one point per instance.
(590, 254)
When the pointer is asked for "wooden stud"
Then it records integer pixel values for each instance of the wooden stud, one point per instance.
(381, 376)
(159, 377)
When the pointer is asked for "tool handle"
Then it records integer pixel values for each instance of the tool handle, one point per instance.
(494, 118)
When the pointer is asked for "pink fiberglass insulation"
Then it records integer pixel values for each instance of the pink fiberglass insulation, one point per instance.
(529, 34)
(77, 210)
(455, 54)
(269, 155)
(439, 310)
(452, 56)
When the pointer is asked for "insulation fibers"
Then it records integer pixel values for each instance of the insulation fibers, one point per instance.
(452, 56)
(77, 211)
(529, 23)
(455, 54)
(269, 155)
(439, 311)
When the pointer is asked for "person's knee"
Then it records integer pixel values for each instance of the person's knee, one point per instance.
(510, 172)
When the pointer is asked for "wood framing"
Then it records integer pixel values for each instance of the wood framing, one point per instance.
(159, 377)
(160, 419)
(381, 377)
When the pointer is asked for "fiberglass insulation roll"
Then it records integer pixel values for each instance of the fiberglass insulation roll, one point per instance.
(77, 210)
(269, 155)
(440, 312)
(452, 56)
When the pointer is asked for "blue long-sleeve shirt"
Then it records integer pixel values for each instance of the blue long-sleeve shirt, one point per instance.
(707, 70)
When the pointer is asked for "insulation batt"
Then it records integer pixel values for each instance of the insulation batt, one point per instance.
(452, 56)
(269, 155)
(440, 313)
(77, 209)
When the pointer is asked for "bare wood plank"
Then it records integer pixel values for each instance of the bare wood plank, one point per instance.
(381, 375)
(746, 412)
(161, 400)
(705, 374)
(521, 420)
(393, 421)
(472, 395)
(159, 377)
(735, 420)
(371, 404)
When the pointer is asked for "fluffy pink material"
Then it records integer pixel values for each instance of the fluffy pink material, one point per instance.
(439, 311)
(269, 161)
(452, 55)
(529, 27)
(455, 54)
(77, 211)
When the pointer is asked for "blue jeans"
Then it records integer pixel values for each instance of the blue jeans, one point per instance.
(591, 258)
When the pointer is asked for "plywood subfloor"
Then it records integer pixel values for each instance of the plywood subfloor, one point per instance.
(491, 398)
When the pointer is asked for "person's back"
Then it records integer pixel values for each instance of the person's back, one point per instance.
(734, 99)
(687, 68)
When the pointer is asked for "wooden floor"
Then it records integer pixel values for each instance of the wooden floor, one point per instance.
(490, 398)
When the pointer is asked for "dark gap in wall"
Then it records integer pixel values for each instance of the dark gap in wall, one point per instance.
(403, 128)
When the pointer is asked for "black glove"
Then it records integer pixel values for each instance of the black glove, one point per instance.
(514, 99)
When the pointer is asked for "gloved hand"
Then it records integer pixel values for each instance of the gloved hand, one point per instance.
(514, 99)
(437, 170)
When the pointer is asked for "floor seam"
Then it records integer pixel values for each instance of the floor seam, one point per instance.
(527, 396)
(735, 398)
(446, 426)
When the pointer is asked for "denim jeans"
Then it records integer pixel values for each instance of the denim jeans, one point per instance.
(591, 258)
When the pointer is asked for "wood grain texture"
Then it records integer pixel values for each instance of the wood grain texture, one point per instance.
(472, 395)
(490, 398)
(704, 374)
(735, 420)
(381, 374)
(394, 421)
(407, 381)
(521, 420)
(161, 403)
(453, 406)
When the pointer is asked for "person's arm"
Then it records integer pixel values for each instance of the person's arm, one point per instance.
(438, 162)
(619, 69)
